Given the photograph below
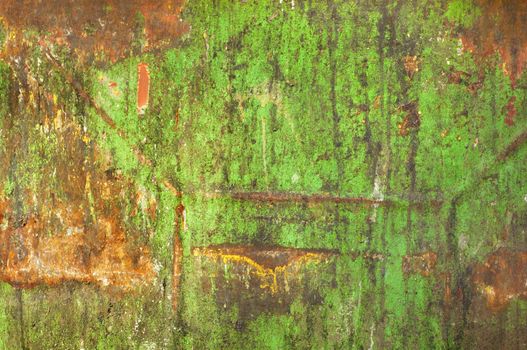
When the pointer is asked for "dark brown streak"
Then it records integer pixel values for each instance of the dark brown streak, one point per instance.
(488, 171)
(82, 93)
(288, 197)
(297, 197)
(513, 146)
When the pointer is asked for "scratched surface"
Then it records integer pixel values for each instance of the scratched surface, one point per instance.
(263, 174)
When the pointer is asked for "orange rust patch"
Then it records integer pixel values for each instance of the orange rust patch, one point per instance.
(500, 28)
(422, 264)
(265, 263)
(104, 30)
(502, 277)
(29, 257)
(143, 87)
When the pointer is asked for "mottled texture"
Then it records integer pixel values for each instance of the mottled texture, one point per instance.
(286, 174)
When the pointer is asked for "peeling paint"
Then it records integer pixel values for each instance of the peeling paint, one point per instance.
(143, 87)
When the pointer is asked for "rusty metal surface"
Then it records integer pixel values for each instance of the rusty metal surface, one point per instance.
(243, 174)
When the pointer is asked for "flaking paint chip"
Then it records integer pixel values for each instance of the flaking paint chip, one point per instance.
(143, 87)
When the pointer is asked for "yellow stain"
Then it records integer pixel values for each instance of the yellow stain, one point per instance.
(267, 276)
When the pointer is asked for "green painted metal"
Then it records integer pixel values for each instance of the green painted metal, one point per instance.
(302, 97)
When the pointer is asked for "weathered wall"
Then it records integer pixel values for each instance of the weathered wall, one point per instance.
(263, 174)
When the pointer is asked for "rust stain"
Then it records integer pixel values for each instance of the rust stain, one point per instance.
(100, 30)
(464, 78)
(411, 65)
(143, 86)
(412, 119)
(447, 293)
(98, 253)
(502, 277)
(513, 146)
(265, 263)
(177, 257)
(293, 197)
(500, 28)
(422, 264)
(511, 111)
(75, 227)
(457, 76)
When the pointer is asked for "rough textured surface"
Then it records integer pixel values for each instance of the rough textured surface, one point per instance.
(263, 174)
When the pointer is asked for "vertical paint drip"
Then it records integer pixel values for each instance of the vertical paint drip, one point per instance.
(177, 254)
(143, 86)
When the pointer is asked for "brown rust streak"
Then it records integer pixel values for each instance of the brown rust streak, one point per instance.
(513, 146)
(290, 197)
(411, 65)
(511, 111)
(177, 258)
(502, 277)
(411, 120)
(293, 197)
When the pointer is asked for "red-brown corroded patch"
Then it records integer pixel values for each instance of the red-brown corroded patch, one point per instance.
(143, 87)
(502, 277)
(422, 264)
(500, 28)
(98, 29)
(513, 146)
(511, 111)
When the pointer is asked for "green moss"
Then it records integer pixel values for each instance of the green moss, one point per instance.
(463, 12)
(264, 96)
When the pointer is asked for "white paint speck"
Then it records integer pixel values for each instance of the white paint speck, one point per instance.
(295, 178)
(372, 329)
